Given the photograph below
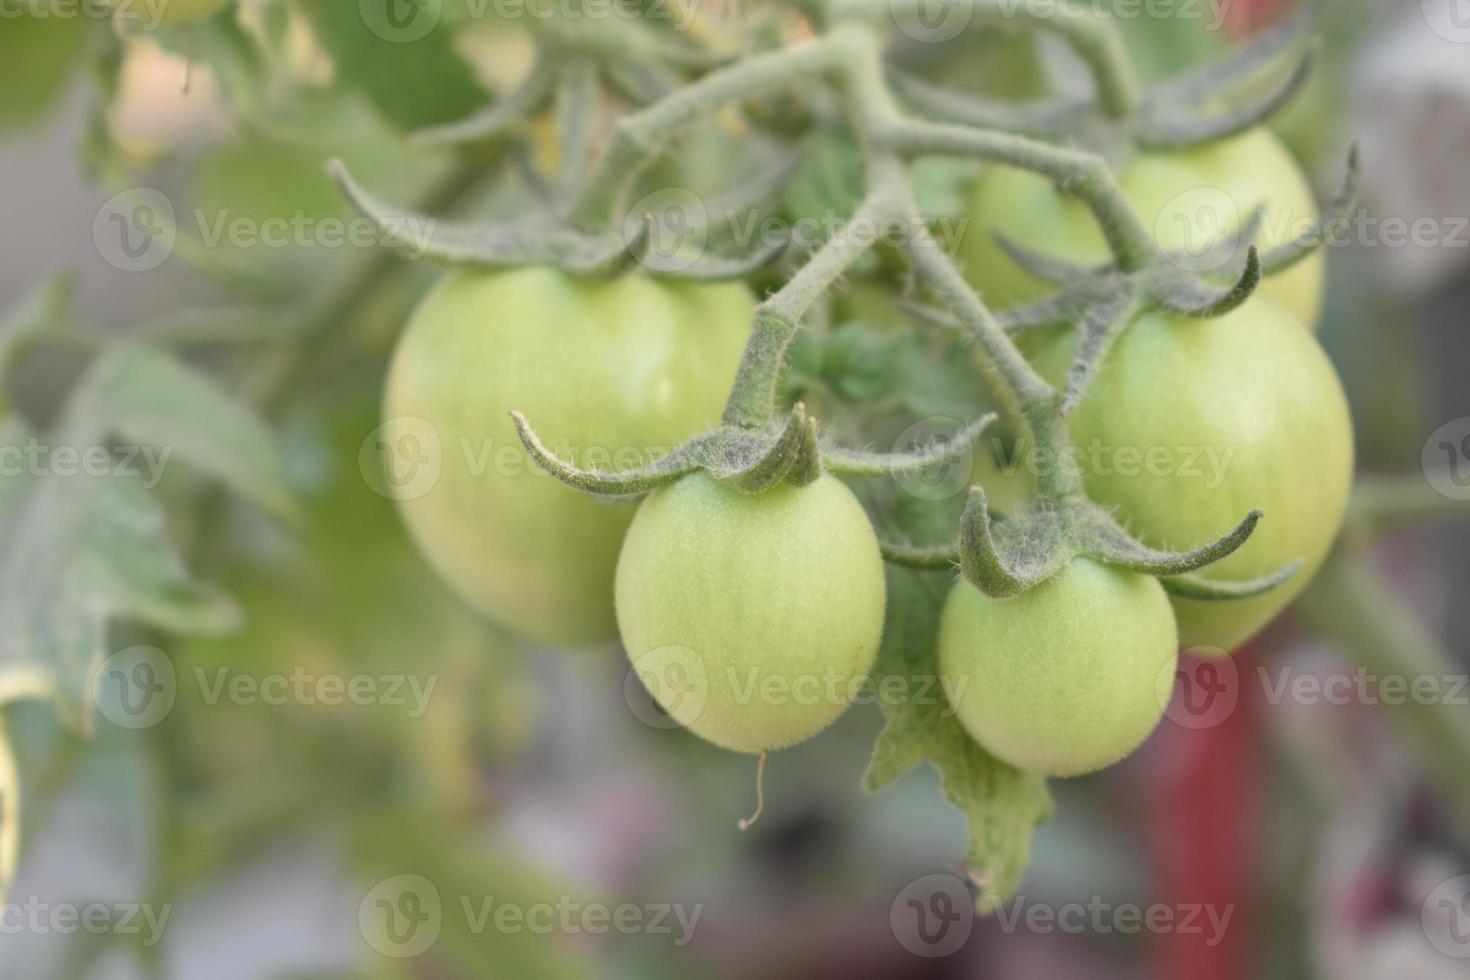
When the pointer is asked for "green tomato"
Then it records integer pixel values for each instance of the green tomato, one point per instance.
(1065, 678)
(751, 619)
(1192, 424)
(610, 374)
(1185, 197)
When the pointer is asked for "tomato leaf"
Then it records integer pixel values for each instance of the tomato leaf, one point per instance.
(1001, 804)
(146, 395)
(38, 58)
(828, 186)
(83, 541)
(411, 71)
(77, 551)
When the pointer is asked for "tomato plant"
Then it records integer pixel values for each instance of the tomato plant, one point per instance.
(619, 371)
(699, 378)
(1067, 678)
(1188, 198)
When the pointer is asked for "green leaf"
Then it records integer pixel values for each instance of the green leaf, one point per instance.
(414, 75)
(78, 550)
(37, 58)
(44, 309)
(942, 186)
(1001, 804)
(146, 395)
(829, 185)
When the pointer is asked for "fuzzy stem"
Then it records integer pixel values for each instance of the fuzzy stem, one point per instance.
(1079, 174)
(1091, 34)
(640, 136)
(877, 117)
(752, 402)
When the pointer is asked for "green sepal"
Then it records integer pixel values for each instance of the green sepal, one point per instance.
(1191, 586)
(1099, 536)
(1006, 559)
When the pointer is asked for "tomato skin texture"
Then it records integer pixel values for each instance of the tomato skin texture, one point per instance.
(1066, 678)
(781, 591)
(625, 367)
(1252, 169)
(1256, 402)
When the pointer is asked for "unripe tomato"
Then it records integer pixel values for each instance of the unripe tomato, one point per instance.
(1065, 678)
(1184, 197)
(610, 374)
(1192, 424)
(752, 620)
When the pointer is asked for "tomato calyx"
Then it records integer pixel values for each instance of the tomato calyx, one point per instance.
(1100, 301)
(552, 241)
(1004, 558)
(753, 460)
(1180, 112)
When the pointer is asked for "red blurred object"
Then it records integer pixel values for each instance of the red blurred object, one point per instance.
(1206, 802)
(1246, 17)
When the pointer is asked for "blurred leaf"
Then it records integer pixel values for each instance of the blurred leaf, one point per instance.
(276, 183)
(82, 540)
(78, 551)
(829, 184)
(1001, 804)
(942, 187)
(416, 81)
(470, 882)
(43, 309)
(146, 395)
(37, 59)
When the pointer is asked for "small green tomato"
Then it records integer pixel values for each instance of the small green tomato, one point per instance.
(1066, 678)
(752, 620)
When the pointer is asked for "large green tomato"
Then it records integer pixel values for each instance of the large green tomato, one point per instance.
(1192, 424)
(752, 620)
(1065, 678)
(1185, 197)
(609, 373)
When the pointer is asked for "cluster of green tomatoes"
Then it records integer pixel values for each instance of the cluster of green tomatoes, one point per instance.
(749, 596)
